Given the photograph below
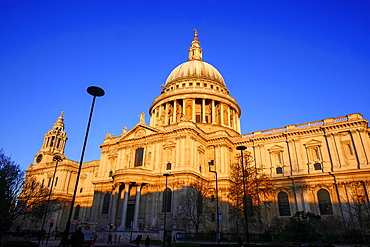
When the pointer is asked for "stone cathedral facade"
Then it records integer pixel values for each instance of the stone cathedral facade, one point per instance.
(320, 167)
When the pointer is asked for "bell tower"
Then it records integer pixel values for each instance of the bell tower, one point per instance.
(54, 142)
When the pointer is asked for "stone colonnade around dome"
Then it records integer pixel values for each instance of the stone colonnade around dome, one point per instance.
(199, 110)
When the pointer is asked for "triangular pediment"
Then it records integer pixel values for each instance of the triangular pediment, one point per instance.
(169, 144)
(313, 142)
(139, 131)
(276, 148)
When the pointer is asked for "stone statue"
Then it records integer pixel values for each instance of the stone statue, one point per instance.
(124, 130)
(142, 117)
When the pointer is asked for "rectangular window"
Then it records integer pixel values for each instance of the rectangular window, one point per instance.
(317, 166)
(279, 170)
(139, 157)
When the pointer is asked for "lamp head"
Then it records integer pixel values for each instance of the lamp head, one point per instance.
(241, 148)
(95, 91)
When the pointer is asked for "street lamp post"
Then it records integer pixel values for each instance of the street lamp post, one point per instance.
(218, 235)
(241, 148)
(165, 211)
(57, 159)
(96, 92)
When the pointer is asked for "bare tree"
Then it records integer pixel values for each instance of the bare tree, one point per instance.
(17, 196)
(33, 199)
(357, 206)
(258, 188)
(195, 204)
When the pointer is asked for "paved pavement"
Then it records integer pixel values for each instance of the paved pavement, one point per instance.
(55, 243)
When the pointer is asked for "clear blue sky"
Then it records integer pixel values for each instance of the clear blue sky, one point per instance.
(285, 62)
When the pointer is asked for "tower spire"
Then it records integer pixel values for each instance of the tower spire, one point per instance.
(54, 140)
(195, 52)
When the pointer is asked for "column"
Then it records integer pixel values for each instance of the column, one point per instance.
(337, 149)
(213, 112)
(238, 123)
(174, 111)
(113, 209)
(300, 200)
(68, 182)
(95, 206)
(235, 120)
(222, 113)
(152, 116)
(183, 107)
(364, 143)
(228, 116)
(161, 122)
(137, 203)
(360, 147)
(166, 114)
(181, 162)
(203, 110)
(193, 111)
(126, 191)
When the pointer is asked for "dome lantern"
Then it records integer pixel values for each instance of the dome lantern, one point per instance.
(195, 52)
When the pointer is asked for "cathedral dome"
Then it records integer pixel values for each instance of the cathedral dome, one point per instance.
(195, 69)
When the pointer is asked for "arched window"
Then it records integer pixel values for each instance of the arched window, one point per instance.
(77, 212)
(169, 166)
(106, 200)
(283, 202)
(167, 200)
(324, 202)
(52, 141)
